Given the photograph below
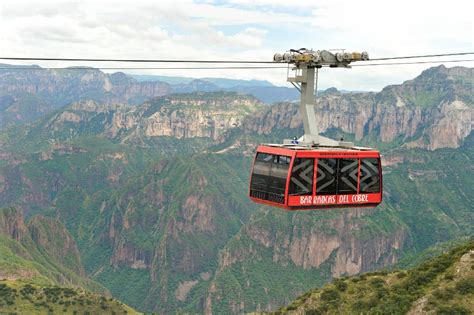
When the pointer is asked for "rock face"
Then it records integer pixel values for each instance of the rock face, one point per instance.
(43, 240)
(12, 224)
(174, 229)
(435, 110)
(309, 247)
(52, 238)
(342, 243)
(185, 116)
(73, 85)
(28, 94)
(197, 119)
(32, 92)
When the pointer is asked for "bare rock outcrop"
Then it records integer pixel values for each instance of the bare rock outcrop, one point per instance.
(12, 224)
(435, 110)
(52, 238)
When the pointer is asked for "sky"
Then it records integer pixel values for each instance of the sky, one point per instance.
(239, 30)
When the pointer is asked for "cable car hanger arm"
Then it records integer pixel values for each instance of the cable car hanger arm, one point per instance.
(306, 63)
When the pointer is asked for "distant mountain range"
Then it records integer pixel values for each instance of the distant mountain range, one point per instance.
(405, 113)
(221, 83)
(29, 92)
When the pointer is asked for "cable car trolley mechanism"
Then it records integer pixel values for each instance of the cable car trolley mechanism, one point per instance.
(315, 172)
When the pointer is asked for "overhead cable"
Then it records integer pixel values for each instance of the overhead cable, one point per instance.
(220, 68)
(422, 56)
(132, 60)
(205, 61)
(139, 68)
(409, 63)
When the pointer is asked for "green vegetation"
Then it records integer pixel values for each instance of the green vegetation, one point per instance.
(142, 191)
(13, 263)
(414, 259)
(258, 282)
(20, 297)
(425, 98)
(41, 260)
(443, 285)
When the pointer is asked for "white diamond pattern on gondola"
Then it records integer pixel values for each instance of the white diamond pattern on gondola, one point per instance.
(369, 170)
(304, 170)
(352, 175)
(322, 174)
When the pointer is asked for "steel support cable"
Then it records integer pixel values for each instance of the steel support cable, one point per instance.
(207, 61)
(220, 68)
(132, 60)
(136, 68)
(409, 63)
(422, 56)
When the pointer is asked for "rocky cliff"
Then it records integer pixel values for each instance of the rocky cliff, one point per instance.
(210, 116)
(172, 228)
(31, 92)
(309, 246)
(432, 111)
(53, 239)
(12, 224)
(315, 246)
(41, 251)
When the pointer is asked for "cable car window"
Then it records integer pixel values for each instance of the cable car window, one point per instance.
(278, 175)
(369, 176)
(269, 177)
(261, 171)
(326, 178)
(301, 182)
(348, 175)
(264, 157)
(283, 159)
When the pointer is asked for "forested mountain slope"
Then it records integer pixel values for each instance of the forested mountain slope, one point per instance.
(442, 285)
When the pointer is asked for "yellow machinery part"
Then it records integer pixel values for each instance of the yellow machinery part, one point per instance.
(356, 56)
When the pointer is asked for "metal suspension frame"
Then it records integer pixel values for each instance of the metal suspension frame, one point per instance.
(306, 64)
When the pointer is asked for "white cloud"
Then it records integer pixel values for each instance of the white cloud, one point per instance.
(238, 29)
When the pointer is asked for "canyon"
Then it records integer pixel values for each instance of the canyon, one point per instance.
(151, 197)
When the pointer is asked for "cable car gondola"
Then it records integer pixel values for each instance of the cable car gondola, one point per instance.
(297, 177)
(315, 172)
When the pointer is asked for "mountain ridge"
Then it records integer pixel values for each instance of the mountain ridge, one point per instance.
(30, 92)
(388, 116)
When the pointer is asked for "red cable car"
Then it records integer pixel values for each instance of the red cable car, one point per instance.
(315, 172)
(298, 178)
